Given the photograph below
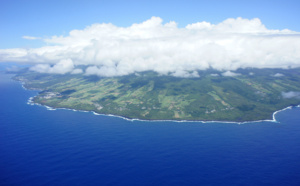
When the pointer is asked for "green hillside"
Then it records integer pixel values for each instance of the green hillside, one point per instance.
(253, 95)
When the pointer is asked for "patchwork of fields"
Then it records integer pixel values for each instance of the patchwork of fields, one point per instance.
(253, 95)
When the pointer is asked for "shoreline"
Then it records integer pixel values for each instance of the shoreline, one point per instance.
(30, 102)
(273, 120)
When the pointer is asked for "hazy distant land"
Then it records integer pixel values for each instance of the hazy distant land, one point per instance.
(246, 95)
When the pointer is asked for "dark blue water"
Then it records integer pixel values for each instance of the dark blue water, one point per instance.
(62, 147)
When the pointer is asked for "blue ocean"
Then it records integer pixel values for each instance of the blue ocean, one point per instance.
(64, 147)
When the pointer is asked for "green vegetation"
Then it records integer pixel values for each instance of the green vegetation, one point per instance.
(153, 97)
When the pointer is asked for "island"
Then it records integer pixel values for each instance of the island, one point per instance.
(245, 95)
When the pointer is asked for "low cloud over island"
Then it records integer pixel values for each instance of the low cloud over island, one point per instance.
(109, 50)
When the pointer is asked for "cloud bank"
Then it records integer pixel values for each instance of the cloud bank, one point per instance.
(62, 67)
(109, 50)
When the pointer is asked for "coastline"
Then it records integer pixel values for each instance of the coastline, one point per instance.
(30, 102)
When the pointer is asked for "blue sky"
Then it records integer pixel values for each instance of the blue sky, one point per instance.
(57, 17)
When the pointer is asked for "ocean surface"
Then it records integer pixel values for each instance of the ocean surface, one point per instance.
(64, 147)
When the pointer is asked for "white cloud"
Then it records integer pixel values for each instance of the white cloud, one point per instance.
(230, 74)
(77, 71)
(42, 68)
(278, 75)
(31, 37)
(214, 75)
(186, 74)
(109, 50)
(106, 71)
(291, 94)
(64, 66)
